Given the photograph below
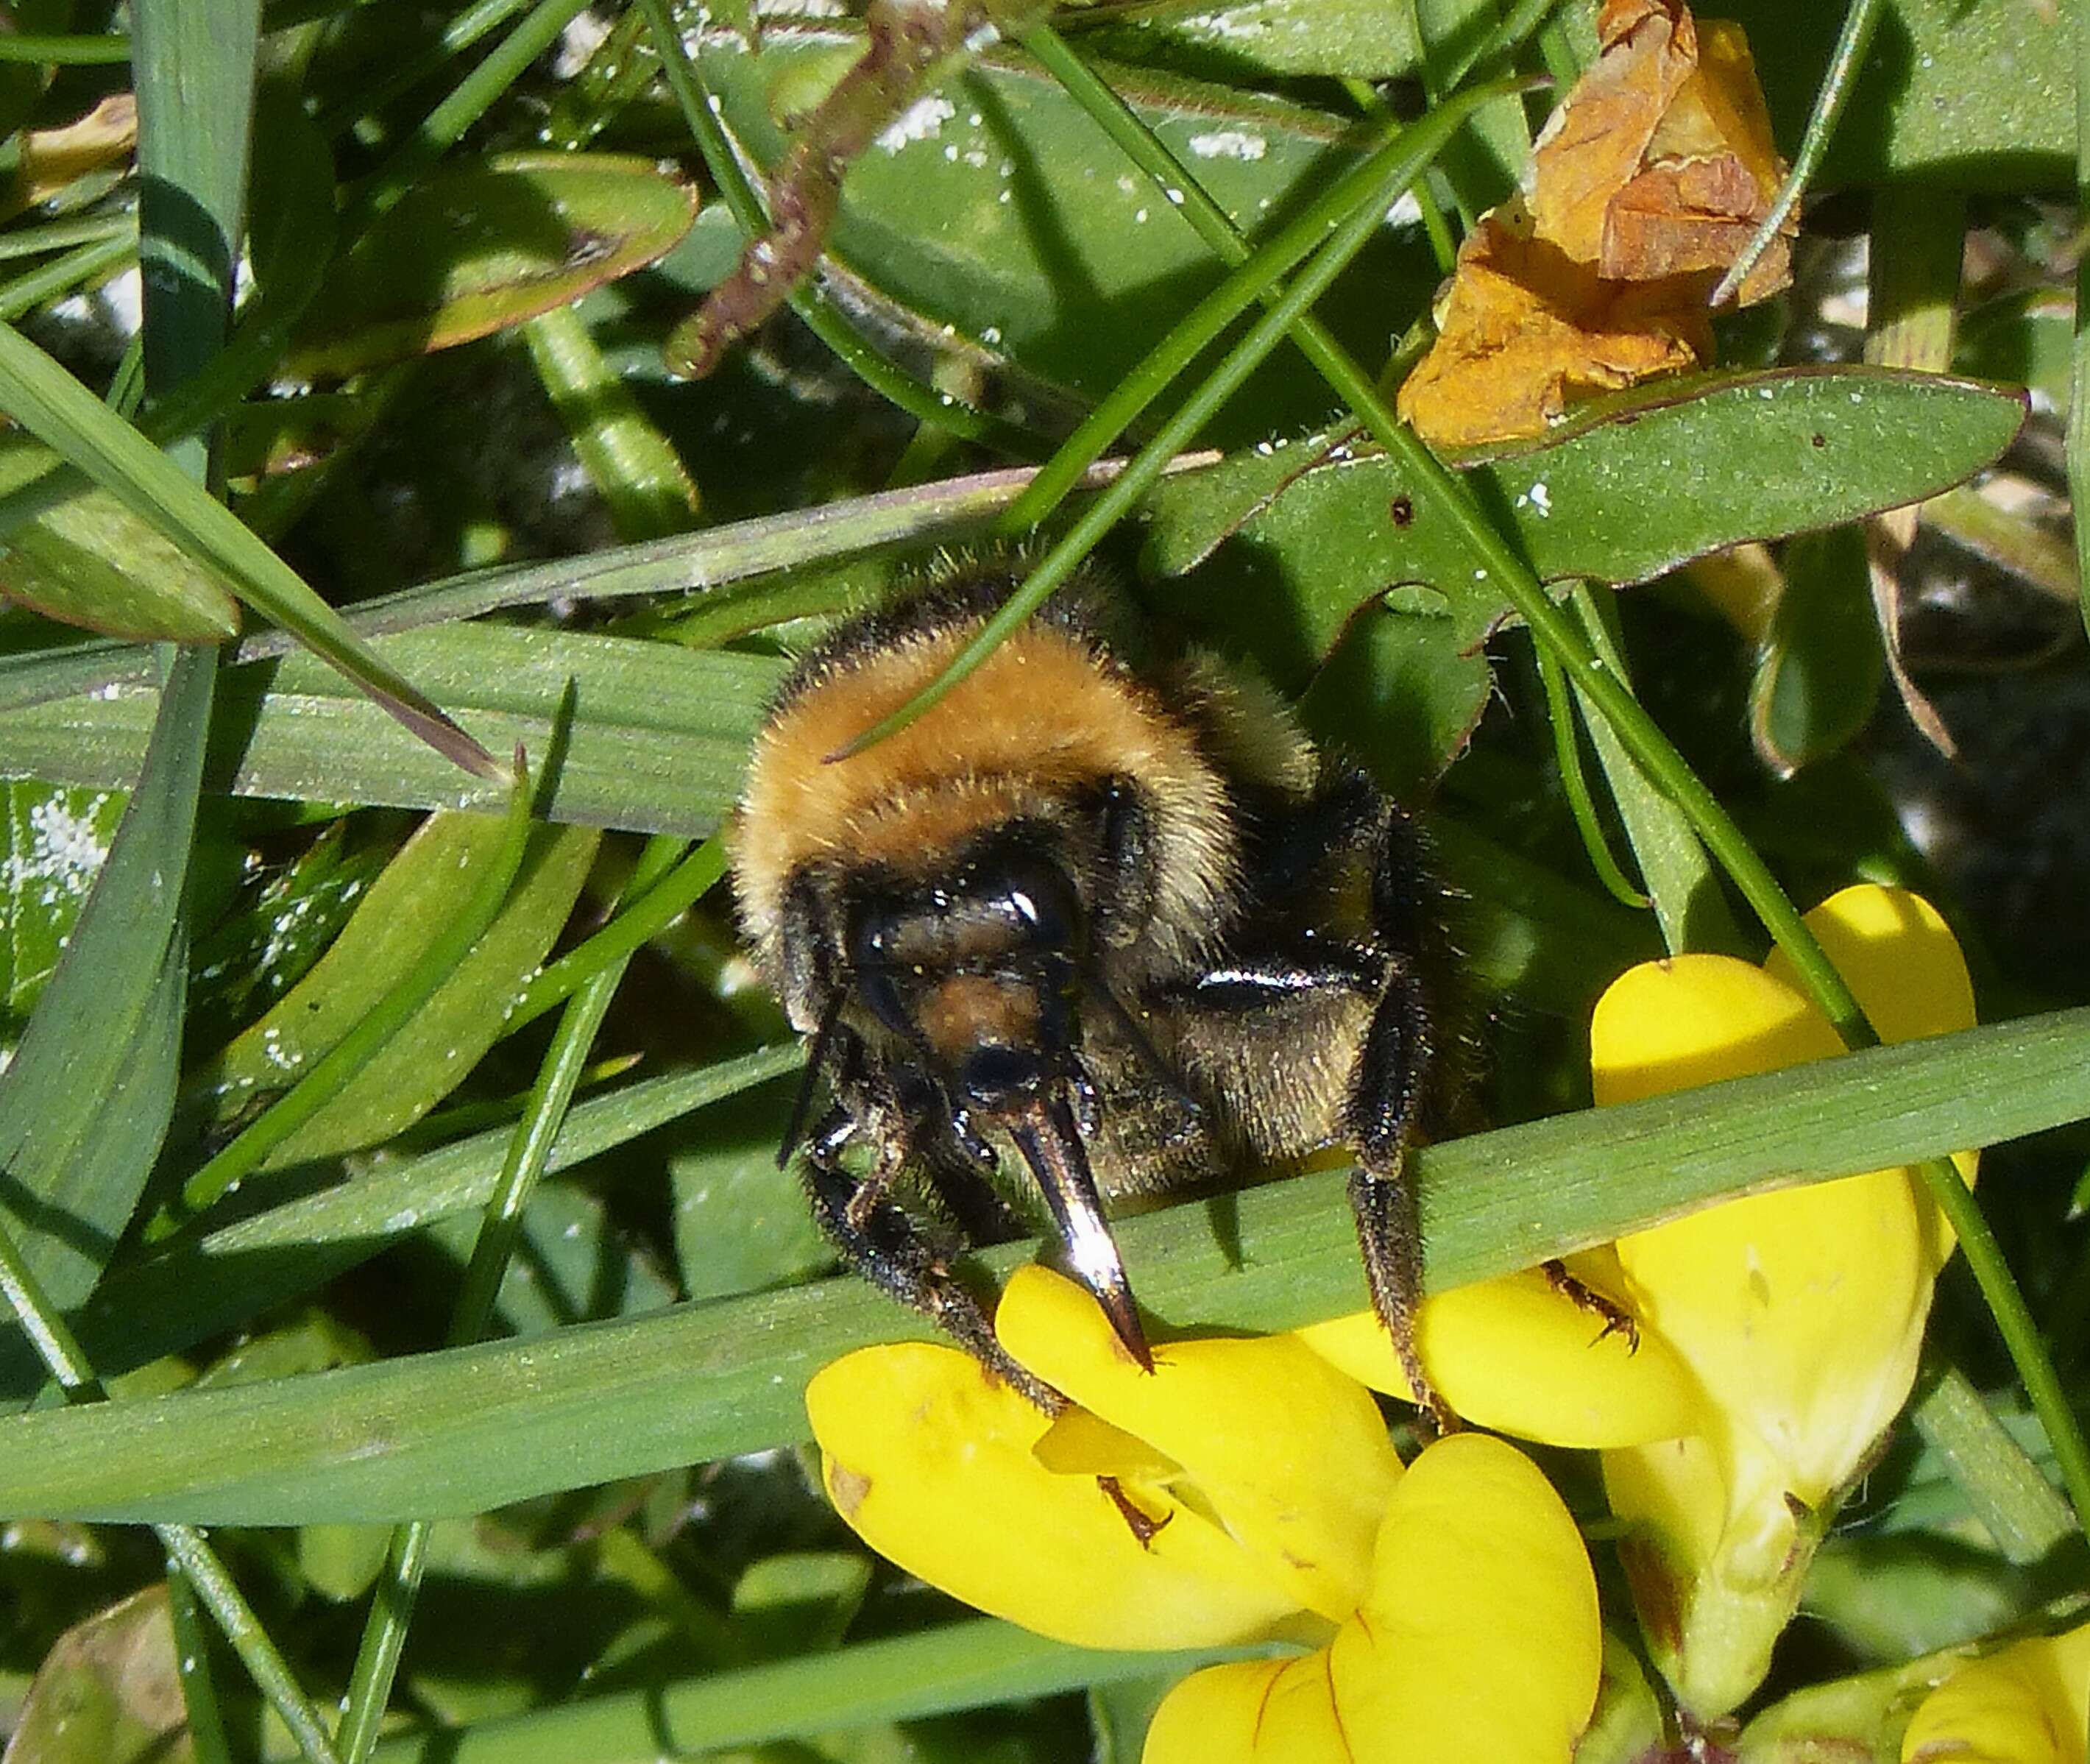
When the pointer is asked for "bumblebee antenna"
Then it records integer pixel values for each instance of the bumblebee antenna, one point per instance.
(1046, 1136)
(816, 1063)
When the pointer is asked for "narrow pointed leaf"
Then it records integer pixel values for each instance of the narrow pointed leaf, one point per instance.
(87, 560)
(462, 1431)
(478, 248)
(389, 937)
(87, 1097)
(63, 413)
(659, 734)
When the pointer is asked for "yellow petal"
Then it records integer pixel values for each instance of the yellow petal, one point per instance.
(1290, 1455)
(1480, 1638)
(1897, 955)
(1800, 1312)
(2024, 1705)
(1251, 1712)
(934, 1466)
(1517, 1355)
(1694, 1019)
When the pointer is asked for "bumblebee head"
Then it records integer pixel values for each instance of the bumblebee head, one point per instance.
(976, 968)
(976, 971)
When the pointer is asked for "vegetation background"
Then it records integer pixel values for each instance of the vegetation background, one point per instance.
(288, 1054)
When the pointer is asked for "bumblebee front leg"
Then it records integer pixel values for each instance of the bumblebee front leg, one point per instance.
(883, 1243)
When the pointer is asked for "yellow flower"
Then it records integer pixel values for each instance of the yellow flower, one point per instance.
(2024, 1705)
(1518, 1354)
(1244, 1492)
(1799, 1314)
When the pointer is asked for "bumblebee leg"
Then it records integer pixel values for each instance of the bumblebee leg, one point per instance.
(1349, 815)
(1384, 1100)
(1380, 1105)
(1392, 1077)
(1616, 1319)
(884, 1245)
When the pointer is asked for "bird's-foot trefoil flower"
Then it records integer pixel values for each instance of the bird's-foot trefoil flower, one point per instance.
(2027, 1703)
(2021, 1701)
(1245, 1491)
(1799, 1314)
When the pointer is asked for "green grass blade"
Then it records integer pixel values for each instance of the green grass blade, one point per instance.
(958, 1666)
(658, 734)
(717, 561)
(66, 417)
(196, 1284)
(86, 1098)
(468, 1429)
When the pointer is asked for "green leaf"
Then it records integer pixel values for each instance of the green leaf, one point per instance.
(798, 1600)
(109, 1691)
(1974, 94)
(312, 1342)
(1891, 1598)
(2025, 336)
(573, 1263)
(53, 844)
(658, 734)
(952, 1666)
(1818, 678)
(86, 1099)
(89, 561)
(248, 962)
(741, 1221)
(1400, 692)
(63, 413)
(388, 938)
(1682, 886)
(464, 1430)
(996, 207)
(1627, 491)
(1353, 39)
(475, 249)
(340, 1562)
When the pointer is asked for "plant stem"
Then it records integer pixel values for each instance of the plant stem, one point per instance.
(819, 313)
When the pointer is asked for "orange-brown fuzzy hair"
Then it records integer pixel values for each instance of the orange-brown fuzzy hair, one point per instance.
(1050, 714)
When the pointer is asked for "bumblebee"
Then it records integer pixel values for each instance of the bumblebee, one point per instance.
(1112, 922)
